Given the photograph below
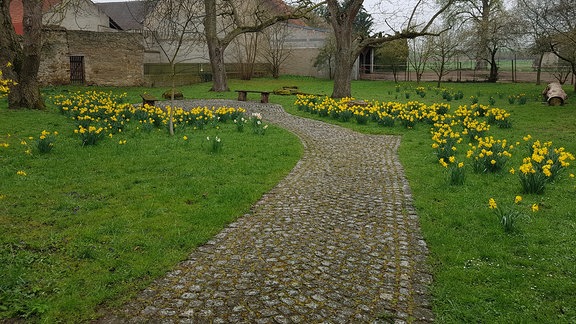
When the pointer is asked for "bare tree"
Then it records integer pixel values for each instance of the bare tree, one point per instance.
(275, 49)
(489, 27)
(394, 56)
(445, 49)
(175, 28)
(225, 20)
(246, 46)
(557, 23)
(349, 45)
(326, 56)
(419, 54)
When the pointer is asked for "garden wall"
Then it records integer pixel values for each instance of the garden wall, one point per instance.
(105, 58)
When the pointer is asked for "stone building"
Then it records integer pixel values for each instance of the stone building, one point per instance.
(111, 44)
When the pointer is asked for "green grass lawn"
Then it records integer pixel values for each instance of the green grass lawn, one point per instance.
(88, 227)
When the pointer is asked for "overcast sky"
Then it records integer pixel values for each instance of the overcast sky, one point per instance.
(393, 11)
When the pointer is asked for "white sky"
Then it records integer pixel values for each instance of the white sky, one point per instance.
(393, 11)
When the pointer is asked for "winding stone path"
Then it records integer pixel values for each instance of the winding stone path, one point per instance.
(337, 241)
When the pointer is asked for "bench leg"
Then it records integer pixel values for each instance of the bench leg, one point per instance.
(264, 98)
(241, 95)
(148, 102)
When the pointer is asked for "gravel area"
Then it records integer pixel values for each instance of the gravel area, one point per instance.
(336, 241)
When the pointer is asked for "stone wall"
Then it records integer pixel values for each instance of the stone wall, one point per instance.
(110, 58)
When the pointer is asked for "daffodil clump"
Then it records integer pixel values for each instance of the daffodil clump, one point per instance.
(257, 126)
(499, 117)
(445, 140)
(421, 91)
(520, 99)
(508, 216)
(543, 165)
(489, 155)
(90, 135)
(455, 169)
(215, 144)
(479, 110)
(474, 128)
(240, 123)
(45, 141)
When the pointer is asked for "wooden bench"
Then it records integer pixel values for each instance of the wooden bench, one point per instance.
(243, 95)
(148, 99)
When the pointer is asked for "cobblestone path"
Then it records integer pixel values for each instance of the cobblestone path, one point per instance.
(337, 241)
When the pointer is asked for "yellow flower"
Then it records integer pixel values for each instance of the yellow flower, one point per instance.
(452, 159)
(461, 164)
(512, 171)
(444, 164)
(571, 175)
(492, 203)
(185, 137)
(517, 199)
(535, 208)
(21, 173)
(493, 162)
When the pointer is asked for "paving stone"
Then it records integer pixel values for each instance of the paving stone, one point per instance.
(336, 241)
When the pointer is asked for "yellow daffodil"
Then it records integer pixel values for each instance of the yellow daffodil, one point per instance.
(492, 204)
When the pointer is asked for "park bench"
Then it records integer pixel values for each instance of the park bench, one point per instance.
(243, 95)
(148, 99)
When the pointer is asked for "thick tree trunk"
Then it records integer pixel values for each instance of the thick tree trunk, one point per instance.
(215, 48)
(342, 76)
(25, 58)
(10, 49)
(219, 78)
(342, 20)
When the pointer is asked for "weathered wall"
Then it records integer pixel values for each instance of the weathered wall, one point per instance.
(301, 62)
(110, 59)
(304, 44)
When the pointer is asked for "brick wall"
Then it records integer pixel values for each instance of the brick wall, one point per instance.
(110, 59)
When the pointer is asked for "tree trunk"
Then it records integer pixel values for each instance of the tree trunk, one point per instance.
(342, 20)
(440, 72)
(25, 58)
(219, 77)
(493, 77)
(10, 49)
(539, 69)
(343, 76)
(215, 48)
